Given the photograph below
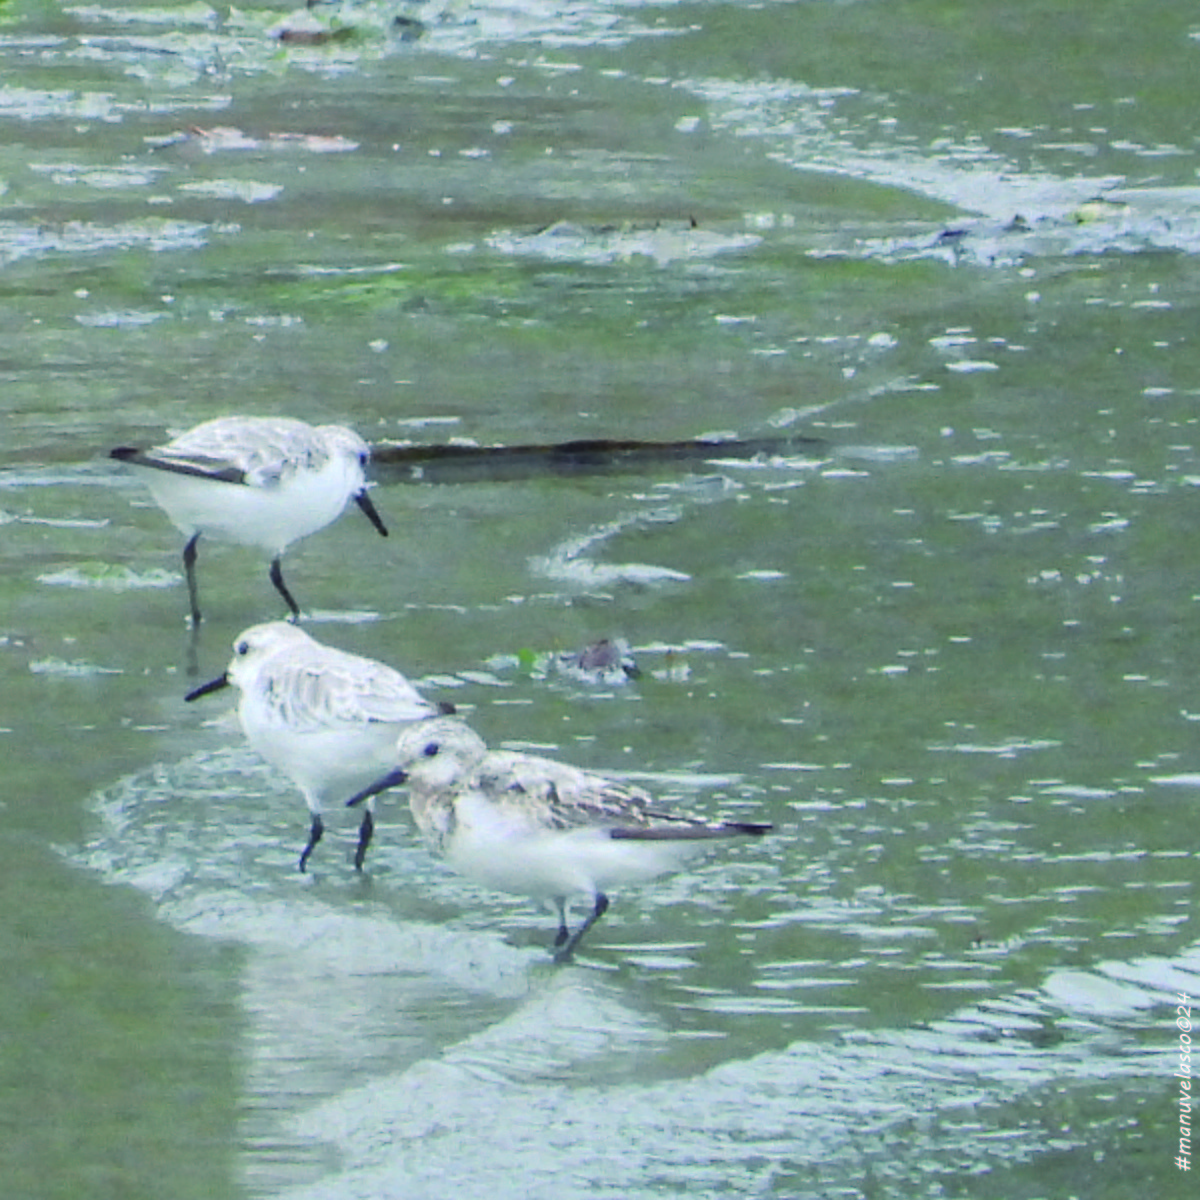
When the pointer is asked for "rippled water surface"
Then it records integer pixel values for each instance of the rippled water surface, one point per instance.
(948, 650)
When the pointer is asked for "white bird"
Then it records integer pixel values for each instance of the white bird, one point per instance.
(326, 719)
(257, 481)
(533, 826)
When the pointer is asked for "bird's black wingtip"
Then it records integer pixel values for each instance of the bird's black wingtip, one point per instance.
(754, 828)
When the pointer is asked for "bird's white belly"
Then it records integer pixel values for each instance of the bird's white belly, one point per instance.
(552, 863)
(269, 517)
(328, 765)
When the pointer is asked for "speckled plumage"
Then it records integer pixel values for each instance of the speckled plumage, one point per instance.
(531, 825)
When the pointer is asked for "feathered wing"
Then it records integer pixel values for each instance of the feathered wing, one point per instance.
(215, 469)
(322, 694)
(259, 452)
(685, 829)
(376, 693)
(557, 796)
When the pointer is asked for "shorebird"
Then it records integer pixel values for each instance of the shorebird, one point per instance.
(257, 481)
(326, 719)
(533, 826)
(605, 661)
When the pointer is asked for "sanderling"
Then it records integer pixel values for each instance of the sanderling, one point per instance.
(325, 718)
(521, 823)
(606, 661)
(258, 481)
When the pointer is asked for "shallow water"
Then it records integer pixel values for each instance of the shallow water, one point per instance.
(949, 655)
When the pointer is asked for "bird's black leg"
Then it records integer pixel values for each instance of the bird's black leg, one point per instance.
(563, 932)
(364, 839)
(564, 952)
(314, 836)
(189, 570)
(281, 587)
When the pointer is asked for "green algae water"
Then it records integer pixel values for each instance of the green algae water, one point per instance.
(949, 651)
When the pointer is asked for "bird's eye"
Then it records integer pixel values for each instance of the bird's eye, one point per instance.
(242, 649)
(364, 458)
(431, 749)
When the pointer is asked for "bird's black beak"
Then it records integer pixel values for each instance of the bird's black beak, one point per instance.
(213, 685)
(364, 502)
(390, 780)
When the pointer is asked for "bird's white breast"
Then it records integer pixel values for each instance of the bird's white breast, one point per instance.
(270, 516)
(506, 853)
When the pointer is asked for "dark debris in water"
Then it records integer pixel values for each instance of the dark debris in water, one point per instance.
(314, 37)
(589, 456)
(310, 26)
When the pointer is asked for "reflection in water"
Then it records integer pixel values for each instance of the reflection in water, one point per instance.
(952, 659)
(887, 1106)
(79, 237)
(426, 1054)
